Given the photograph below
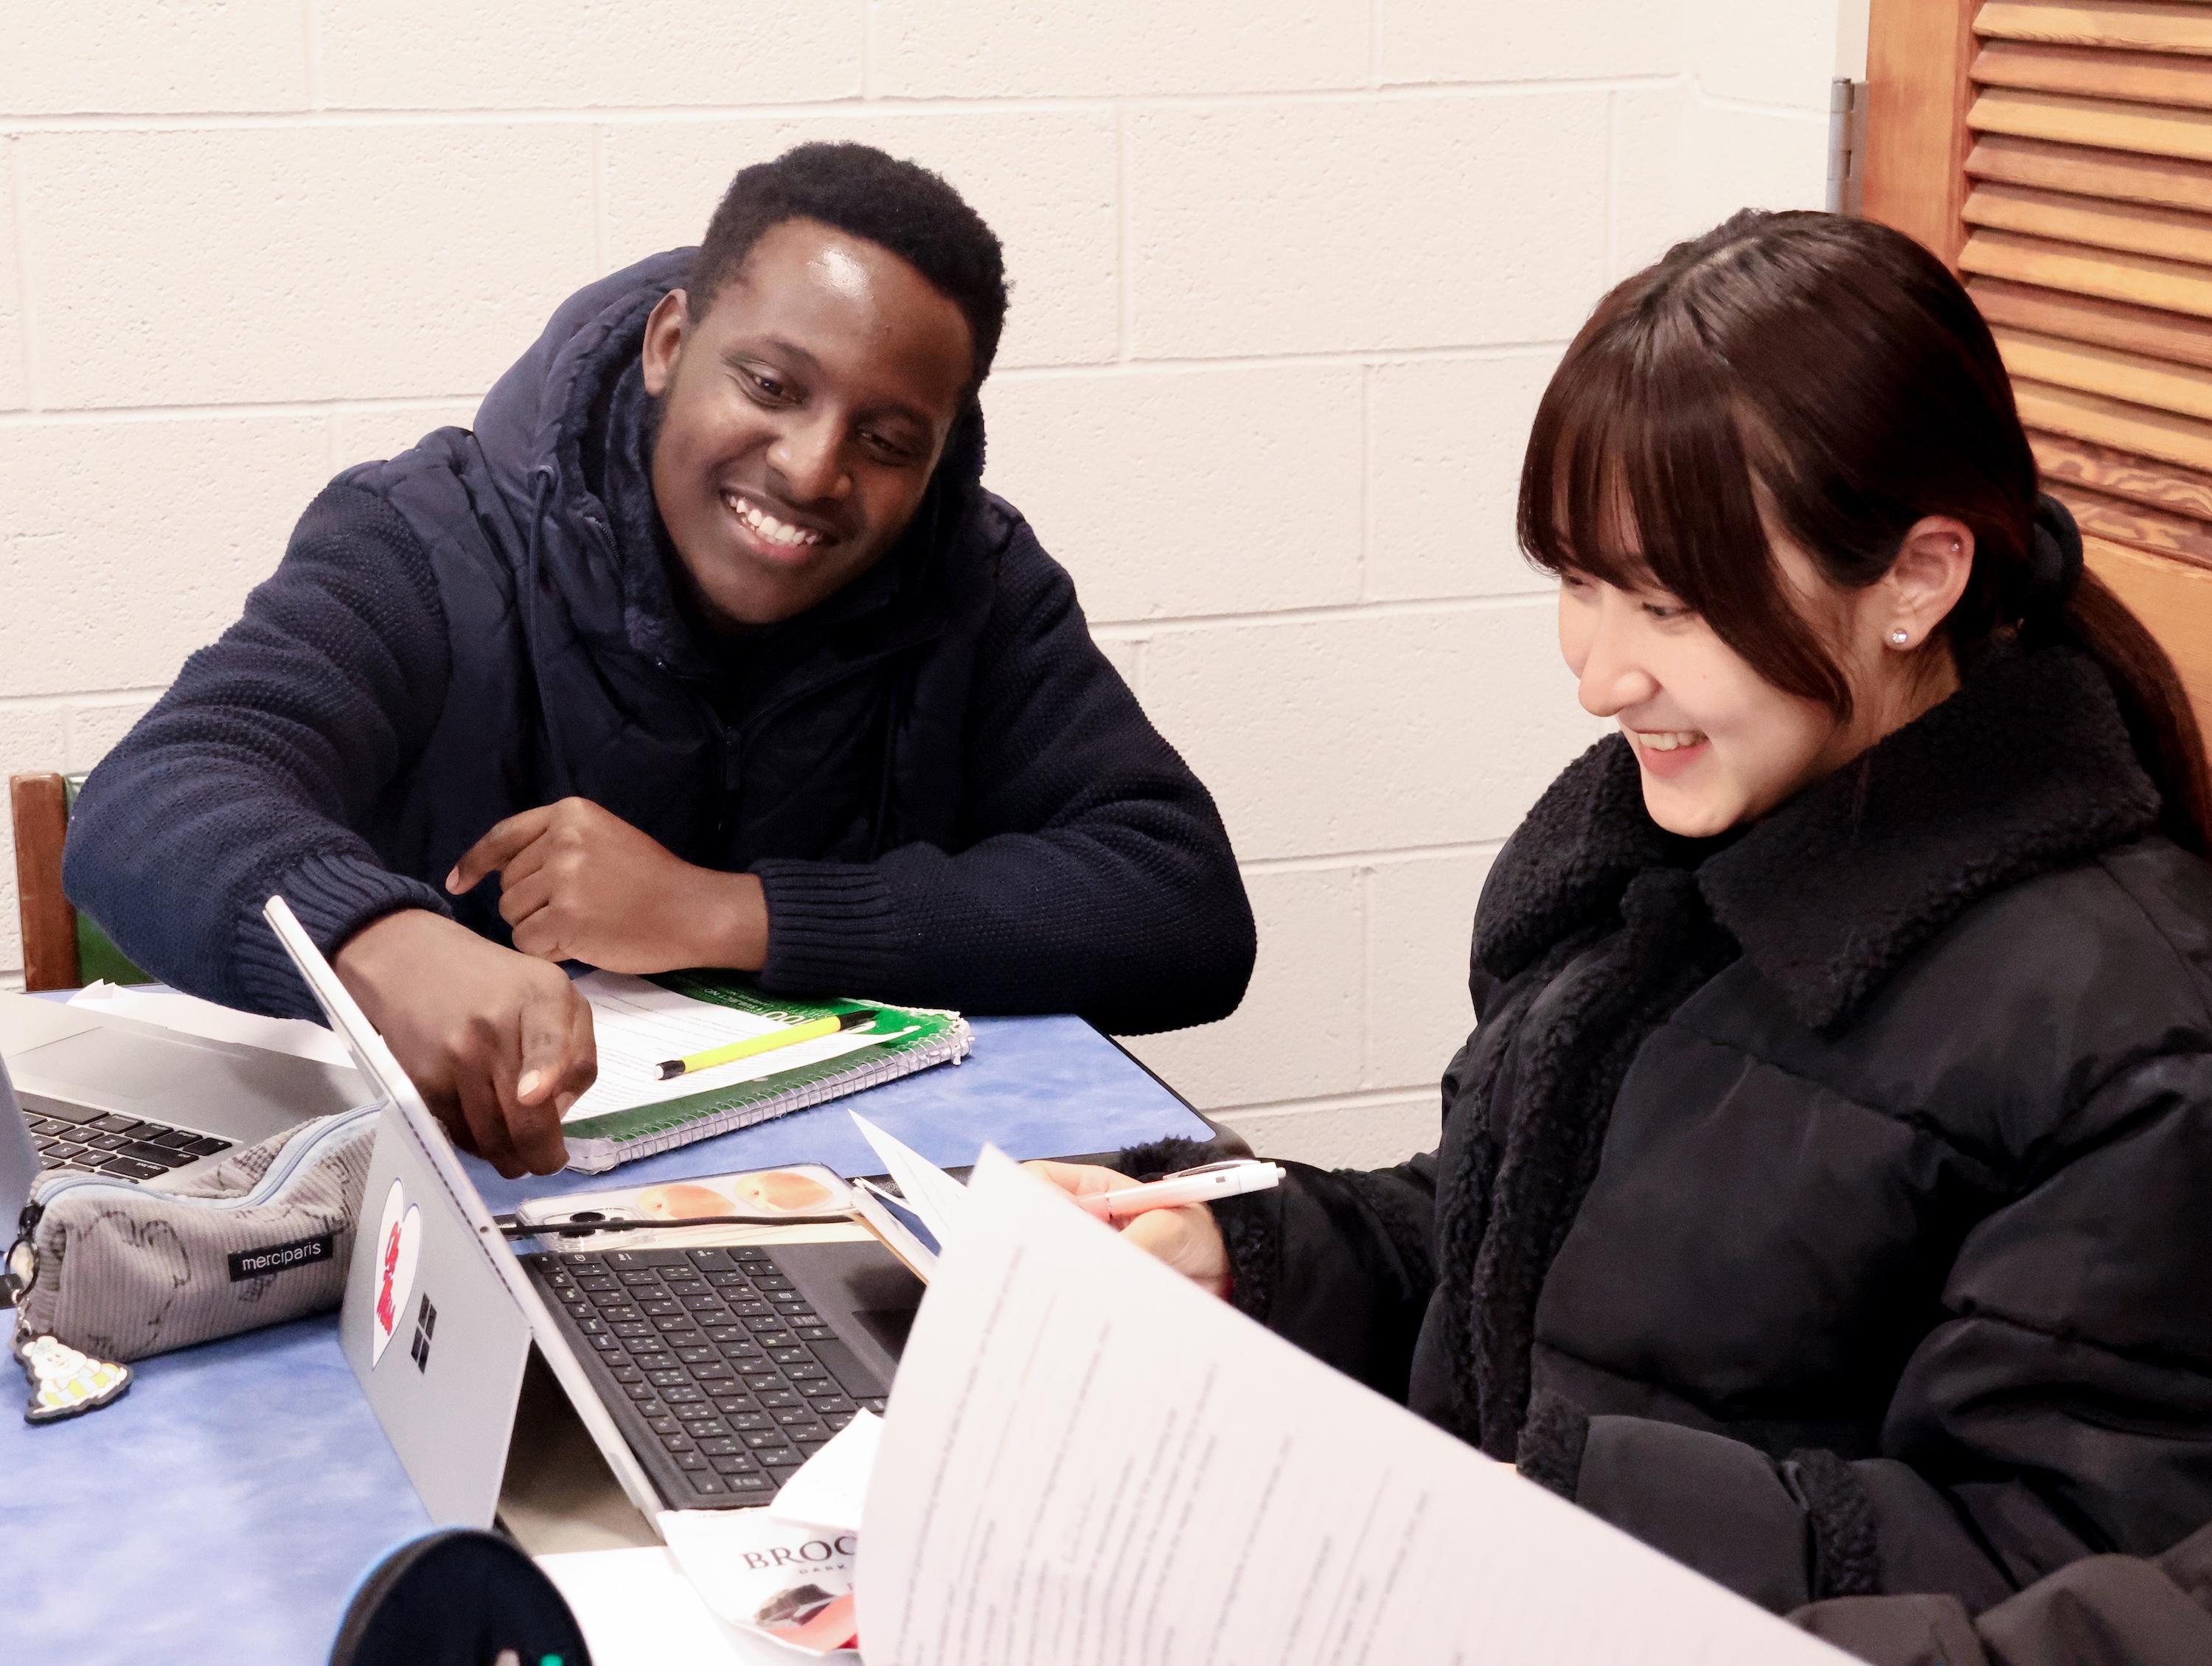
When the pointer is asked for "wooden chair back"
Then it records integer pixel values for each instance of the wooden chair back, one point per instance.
(62, 948)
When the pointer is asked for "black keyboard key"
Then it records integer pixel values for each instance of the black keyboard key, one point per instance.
(704, 1428)
(713, 1372)
(707, 1483)
(762, 1383)
(607, 1344)
(733, 1463)
(141, 1131)
(617, 1312)
(642, 1392)
(48, 1125)
(772, 1281)
(628, 1374)
(674, 1376)
(752, 1420)
(665, 1424)
(703, 1304)
(633, 1328)
(729, 1282)
(678, 1443)
(579, 1258)
(650, 1409)
(743, 1350)
(696, 1356)
(777, 1399)
(757, 1438)
(693, 1461)
(734, 1405)
(75, 1115)
(725, 1333)
(796, 1419)
(686, 1395)
(801, 1375)
(794, 1310)
(793, 1355)
(760, 1484)
(659, 1306)
(813, 1333)
(112, 1124)
(595, 1327)
(658, 1360)
(176, 1139)
(207, 1145)
(874, 1402)
(597, 1281)
(826, 1405)
(108, 1142)
(752, 1309)
(671, 1323)
(836, 1419)
(130, 1170)
(724, 1444)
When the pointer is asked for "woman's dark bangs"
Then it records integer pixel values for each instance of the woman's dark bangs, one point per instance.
(1638, 452)
(1574, 512)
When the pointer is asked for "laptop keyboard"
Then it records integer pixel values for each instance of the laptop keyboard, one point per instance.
(720, 1375)
(78, 1136)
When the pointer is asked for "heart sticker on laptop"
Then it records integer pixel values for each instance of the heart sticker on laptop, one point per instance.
(399, 1242)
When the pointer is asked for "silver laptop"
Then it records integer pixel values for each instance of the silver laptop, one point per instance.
(139, 1103)
(19, 1159)
(499, 1384)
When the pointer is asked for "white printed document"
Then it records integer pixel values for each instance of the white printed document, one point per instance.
(1090, 1461)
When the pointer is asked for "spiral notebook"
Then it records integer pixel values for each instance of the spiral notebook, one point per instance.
(638, 1022)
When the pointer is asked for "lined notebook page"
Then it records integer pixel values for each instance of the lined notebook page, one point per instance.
(1089, 1461)
(637, 1024)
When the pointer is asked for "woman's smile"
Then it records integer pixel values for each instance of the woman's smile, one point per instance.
(1668, 752)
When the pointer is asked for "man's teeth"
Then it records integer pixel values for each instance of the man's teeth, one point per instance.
(1669, 739)
(775, 531)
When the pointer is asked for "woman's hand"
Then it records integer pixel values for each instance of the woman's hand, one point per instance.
(1189, 1238)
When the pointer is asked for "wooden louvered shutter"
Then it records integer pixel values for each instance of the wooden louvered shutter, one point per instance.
(2058, 154)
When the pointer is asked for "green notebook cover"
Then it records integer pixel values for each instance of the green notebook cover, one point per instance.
(915, 1038)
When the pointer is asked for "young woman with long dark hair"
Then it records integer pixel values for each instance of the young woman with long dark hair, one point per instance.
(1825, 1195)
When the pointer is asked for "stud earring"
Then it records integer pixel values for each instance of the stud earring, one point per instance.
(1899, 637)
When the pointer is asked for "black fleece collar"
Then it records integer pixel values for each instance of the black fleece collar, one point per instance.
(2027, 768)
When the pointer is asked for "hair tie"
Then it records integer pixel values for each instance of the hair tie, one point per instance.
(2054, 557)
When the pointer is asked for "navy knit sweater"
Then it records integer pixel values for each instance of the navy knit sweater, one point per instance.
(950, 795)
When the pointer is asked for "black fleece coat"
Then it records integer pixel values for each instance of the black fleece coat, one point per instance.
(1829, 1206)
(950, 795)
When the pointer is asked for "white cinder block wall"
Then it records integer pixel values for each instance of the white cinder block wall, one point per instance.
(1290, 276)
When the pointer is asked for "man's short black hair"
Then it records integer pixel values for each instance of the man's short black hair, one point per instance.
(901, 206)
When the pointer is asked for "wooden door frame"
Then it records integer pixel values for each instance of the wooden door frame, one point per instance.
(1920, 54)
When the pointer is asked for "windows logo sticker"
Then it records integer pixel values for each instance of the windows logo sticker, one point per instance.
(425, 1321)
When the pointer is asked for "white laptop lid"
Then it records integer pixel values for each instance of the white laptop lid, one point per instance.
(439, 1315)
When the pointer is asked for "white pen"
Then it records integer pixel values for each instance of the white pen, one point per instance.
(1233, 1178)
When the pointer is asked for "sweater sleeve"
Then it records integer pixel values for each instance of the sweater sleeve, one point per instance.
(1095, 875)
(249, 776)
(2062, 1409)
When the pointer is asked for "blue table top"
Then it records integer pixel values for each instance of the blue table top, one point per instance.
(223, 1510)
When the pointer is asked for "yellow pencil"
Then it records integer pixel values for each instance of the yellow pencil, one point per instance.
(813, 1029)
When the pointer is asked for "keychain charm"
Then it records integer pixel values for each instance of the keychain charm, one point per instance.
(65, 1383)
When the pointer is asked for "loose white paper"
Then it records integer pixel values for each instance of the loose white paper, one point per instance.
(1090, 1461)
(635, 1608)
(187, 1015)
(831, 1488)
(935, 1195)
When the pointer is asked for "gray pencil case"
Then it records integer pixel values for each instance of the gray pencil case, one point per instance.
(119, 1271)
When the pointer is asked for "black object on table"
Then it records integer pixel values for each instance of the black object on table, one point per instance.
(458, 1598)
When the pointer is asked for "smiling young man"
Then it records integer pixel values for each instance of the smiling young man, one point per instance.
(704, 647)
